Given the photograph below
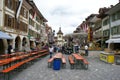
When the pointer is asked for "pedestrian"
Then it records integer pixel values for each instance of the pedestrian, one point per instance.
(9, 48)
(55, 48)
(86, 50)
(50, 51)
(63, 49)
(58, 48)
(76, 48)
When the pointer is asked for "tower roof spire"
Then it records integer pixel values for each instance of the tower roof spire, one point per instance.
(60, 32)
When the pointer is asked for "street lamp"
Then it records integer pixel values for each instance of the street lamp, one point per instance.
(53, 34)
(51, 37)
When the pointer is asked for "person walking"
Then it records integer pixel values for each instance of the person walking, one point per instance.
(9, 48)
(51, 51)
(76, 48)
(63, 49)
(86, 50)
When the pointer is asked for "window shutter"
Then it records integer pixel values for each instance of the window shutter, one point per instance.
(14, 7)
(6, 20)
(6, 2)
(12, 23)
(27, 14)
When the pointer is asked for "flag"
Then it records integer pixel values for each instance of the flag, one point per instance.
(86, 27)
(83, 27)
(19, 8)
(34, 14)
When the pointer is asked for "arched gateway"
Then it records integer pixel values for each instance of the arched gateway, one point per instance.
(80, 38)
(17, 43)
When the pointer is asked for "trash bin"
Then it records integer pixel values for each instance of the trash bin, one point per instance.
(117, 59)
(56, 64)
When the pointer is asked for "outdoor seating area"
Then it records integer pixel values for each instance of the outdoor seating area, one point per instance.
(80, 61)
(75, 60)
(18, 61)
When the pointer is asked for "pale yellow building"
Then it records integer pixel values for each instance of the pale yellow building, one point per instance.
(60, 38)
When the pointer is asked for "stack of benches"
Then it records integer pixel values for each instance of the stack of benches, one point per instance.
(18, 62)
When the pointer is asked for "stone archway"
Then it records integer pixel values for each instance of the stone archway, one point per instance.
(25, 44)
(17, 43)
(32, 45)
(24, 41)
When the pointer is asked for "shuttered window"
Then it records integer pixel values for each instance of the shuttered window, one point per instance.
(23, 26)
(10, 4)
(9, 21)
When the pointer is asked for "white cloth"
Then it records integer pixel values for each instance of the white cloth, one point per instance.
(86, 47)
(51, 49)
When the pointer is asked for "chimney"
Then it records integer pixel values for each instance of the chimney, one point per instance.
(112, 5)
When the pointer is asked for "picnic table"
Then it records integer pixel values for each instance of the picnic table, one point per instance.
(58, 55)
(18, 60)
(78, 60)
(57, 61)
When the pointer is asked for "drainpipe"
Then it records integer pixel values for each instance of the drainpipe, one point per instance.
(3, 14)
(102, 35)
(110, 35)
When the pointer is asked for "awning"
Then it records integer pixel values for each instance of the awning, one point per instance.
(32, 38)
(4, 36)
(117, 40)
(98, 40)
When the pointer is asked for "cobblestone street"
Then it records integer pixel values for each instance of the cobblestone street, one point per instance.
(98, 70)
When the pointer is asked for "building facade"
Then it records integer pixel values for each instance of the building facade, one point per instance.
(37, 26)
(15, 21)
(114, 27)
(13, 26)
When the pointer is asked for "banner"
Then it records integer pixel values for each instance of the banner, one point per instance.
(19, 8)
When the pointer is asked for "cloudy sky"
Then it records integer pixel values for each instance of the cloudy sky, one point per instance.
(68, 14)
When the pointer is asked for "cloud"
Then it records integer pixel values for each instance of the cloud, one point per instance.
(68, 14)
(60, 11)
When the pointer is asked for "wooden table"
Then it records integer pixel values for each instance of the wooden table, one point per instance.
(17, 57)
(58, 55)
(12, 60)
(78, 60)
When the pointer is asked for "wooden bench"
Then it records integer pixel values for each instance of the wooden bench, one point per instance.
(71, 61)
(63, 62)
(50, 62)
(7, 70)
(85, 64)
(13, 67)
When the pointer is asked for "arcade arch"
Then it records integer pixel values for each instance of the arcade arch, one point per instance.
(17, 43)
